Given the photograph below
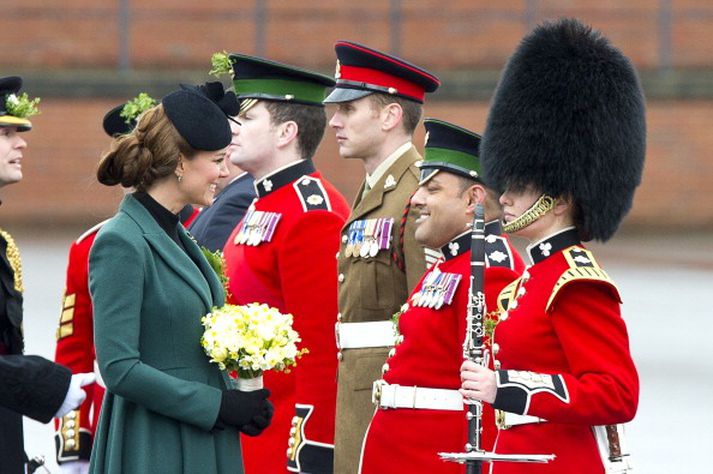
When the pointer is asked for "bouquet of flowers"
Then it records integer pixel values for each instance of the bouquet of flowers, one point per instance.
(249, 340)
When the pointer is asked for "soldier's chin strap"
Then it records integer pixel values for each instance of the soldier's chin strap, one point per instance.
(541, 207)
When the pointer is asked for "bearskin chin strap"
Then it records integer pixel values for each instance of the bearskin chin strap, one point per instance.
(541, 207)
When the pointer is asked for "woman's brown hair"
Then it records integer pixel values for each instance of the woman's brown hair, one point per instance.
(148, 153)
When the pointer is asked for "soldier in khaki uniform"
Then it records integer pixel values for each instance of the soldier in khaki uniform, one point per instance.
(378, 99)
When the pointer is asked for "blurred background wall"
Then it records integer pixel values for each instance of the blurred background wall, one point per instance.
(85, 56)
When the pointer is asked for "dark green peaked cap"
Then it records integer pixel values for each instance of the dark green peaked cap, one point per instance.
(449, 148)
(259, 78)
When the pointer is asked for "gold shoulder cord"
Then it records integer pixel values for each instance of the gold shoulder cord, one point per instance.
(13, 256)
(541, 207)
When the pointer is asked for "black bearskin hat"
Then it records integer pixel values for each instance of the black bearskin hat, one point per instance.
(568, 117)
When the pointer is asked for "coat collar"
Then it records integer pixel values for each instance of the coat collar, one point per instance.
(282, 176)
(387, 183)
(461, 243)
(552, 244)
(206, 284)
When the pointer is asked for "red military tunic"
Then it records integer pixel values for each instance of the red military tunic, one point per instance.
(291, 266)
(564, 357)
(75, 350)
(429, 355)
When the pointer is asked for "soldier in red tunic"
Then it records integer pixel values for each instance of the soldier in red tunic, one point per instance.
(283, 254)
(565, 140)
(420, 412)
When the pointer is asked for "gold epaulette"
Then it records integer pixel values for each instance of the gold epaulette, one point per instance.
(507, 295)
(582, 266)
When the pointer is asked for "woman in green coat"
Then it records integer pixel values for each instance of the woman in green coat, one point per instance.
(166, 409)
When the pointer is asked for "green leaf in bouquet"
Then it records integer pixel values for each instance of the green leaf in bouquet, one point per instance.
(217, 263)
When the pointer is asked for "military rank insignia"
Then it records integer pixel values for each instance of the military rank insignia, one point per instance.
(366, 237)
(258, 227)
(437, 289)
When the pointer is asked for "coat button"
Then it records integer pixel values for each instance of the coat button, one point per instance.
(392, 352)
(384, 369)
(496, 364)
(339, 316)
(496, 348)
(340, 356)
(345, 238)
(503, 316)
(340, 278)
(70, 443)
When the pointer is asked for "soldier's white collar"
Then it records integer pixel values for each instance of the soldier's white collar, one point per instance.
(373, 178)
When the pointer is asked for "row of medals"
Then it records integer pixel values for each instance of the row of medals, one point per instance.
(367, 236)
(258, 227)
(437, 289)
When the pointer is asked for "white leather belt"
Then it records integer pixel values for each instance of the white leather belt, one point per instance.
(387, 396)
(506, 420)
(361, 335)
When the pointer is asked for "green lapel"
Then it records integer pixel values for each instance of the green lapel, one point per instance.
(201, 281)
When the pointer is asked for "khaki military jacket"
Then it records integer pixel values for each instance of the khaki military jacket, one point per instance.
(373, 289)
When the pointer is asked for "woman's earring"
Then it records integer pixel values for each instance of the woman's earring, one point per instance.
(180, 177)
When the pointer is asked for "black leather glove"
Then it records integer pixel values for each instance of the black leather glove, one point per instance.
(240, 408)
(259, 422)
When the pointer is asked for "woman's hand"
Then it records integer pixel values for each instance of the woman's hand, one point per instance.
(477, 382)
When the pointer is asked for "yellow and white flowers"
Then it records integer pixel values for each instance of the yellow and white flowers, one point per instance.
(250, 339)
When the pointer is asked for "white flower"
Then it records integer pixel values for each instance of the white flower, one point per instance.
(250, 339)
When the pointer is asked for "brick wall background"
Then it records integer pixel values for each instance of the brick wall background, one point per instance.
(84, 57)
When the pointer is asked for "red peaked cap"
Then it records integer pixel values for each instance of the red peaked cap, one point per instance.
(361, 68)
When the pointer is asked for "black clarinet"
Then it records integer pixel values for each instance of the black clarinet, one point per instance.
(474, 351)
(474, 344)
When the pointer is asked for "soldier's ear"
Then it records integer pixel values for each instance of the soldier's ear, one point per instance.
(287, 133)
(563, 205)
(476, 194)
(391, 115)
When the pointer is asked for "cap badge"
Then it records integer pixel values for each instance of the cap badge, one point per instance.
(390, 181)
(267, 184)
(453, 248)
(497, 256)
(392, 90)
(425, 138)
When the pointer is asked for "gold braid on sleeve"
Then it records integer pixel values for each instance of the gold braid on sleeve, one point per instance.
(13, 256)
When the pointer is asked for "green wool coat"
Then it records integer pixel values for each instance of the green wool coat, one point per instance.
(163, 396)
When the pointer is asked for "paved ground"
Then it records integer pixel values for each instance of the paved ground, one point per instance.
(666, 282)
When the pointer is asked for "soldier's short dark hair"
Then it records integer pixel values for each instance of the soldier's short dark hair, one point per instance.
(411, 110)
(311, 122)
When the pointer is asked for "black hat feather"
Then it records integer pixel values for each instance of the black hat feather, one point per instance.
(568, 117)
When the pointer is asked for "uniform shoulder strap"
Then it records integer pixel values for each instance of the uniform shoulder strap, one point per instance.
(581, 266)
(498, 252)
(312, 194)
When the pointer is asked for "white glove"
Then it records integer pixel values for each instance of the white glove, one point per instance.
(75, 394)
(74, 467)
